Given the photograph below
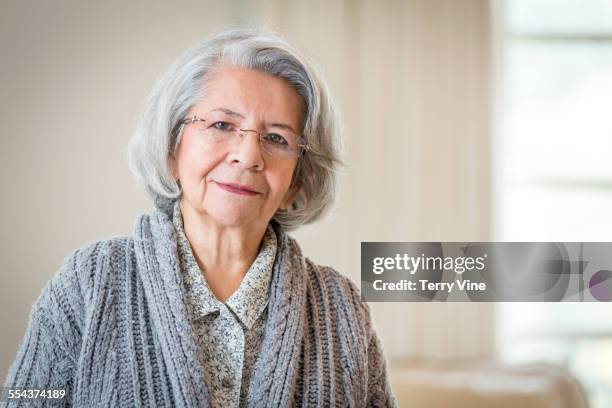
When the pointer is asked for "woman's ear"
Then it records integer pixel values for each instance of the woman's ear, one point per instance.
(290, 196)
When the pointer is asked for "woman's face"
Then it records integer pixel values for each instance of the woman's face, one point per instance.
(209, 172)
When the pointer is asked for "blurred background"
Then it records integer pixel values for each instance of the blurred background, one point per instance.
(465, 120)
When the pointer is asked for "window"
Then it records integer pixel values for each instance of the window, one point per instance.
(554, 171)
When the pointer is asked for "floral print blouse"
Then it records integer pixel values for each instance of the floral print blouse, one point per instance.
(228, 335)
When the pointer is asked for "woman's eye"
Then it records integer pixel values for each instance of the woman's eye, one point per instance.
(276, 139)
(222, 125)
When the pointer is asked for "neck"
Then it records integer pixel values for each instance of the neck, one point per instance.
(223, 253)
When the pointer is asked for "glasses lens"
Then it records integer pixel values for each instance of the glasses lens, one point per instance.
(282, 146)
(222, 135)
(277, 144)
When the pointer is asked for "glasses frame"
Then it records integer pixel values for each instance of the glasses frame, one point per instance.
(303, 146)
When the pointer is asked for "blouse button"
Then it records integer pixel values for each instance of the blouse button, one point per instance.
(227, 382)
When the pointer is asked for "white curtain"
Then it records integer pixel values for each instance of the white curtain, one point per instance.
(412, 81)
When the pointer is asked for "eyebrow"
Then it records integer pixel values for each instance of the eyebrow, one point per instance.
(283, 126)
(229, 112)
(241, 116)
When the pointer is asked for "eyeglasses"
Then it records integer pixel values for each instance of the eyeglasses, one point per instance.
(278, 144)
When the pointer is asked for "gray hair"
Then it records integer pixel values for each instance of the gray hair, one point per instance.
(155, 139)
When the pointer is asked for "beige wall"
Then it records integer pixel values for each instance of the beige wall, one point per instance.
(410, 78)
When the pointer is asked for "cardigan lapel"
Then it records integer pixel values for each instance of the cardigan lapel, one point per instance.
(276, 371)
(158, 266)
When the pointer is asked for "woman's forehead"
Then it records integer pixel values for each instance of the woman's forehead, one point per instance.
(246, 93)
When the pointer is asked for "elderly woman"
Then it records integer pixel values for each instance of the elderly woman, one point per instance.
(210, 302)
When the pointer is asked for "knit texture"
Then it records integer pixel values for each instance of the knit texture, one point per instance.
(112, 327)
(228, 334)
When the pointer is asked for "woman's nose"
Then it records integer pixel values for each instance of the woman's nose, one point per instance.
(247, 152)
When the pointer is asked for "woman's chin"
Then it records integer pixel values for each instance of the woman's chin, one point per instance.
(233, 217)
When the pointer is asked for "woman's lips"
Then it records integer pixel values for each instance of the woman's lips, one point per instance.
(237, 189)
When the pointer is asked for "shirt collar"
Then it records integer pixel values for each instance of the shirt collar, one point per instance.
(251, 297)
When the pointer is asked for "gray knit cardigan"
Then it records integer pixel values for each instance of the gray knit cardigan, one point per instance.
(112, 328)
